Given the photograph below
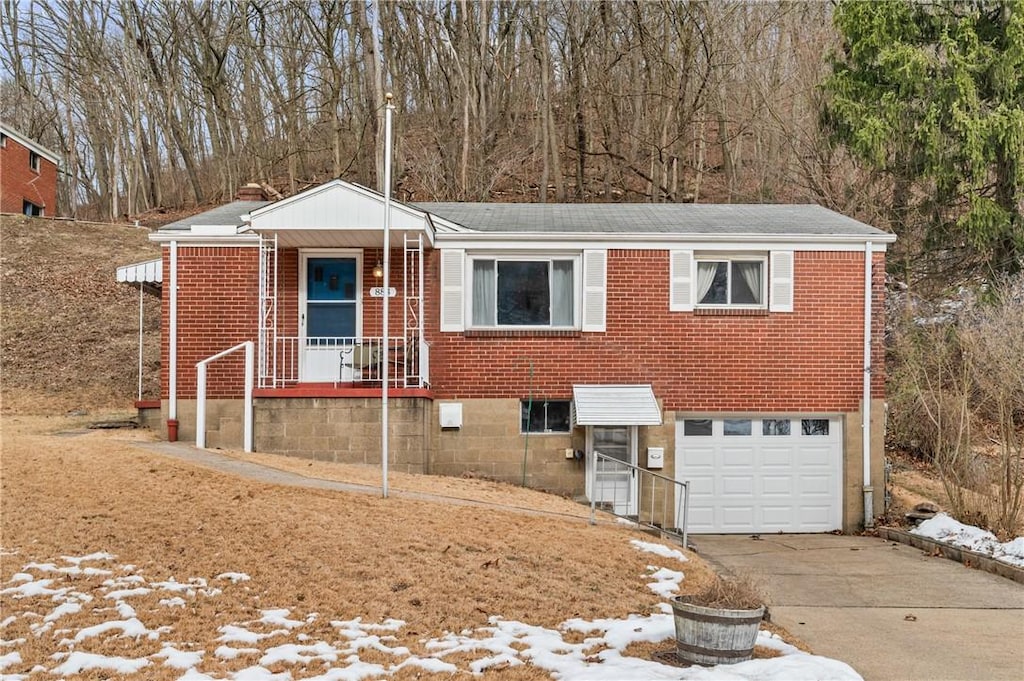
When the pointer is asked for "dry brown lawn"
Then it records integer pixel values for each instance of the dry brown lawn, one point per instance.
(69, 331)
(439, 567)
(469, 489)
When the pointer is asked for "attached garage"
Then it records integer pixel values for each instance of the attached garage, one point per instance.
(754, 475)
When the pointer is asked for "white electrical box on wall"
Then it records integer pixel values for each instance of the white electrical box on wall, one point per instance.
(450, 414)
(655, 457)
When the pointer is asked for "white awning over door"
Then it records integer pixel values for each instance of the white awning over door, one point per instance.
(615, 405)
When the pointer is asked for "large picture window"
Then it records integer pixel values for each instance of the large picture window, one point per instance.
(738, 282)
(523, 292)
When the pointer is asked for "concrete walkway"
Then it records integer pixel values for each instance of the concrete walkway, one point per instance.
(888, 610)
(275, 476)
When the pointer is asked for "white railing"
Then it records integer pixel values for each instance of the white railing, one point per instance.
(248, 346)
(647, 498)
(347, 359)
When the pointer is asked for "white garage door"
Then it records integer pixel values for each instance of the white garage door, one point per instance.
(761, 475)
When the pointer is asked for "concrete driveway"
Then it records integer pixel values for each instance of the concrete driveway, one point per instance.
(886, 609)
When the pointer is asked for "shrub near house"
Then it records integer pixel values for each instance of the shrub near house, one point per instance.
(728, 339)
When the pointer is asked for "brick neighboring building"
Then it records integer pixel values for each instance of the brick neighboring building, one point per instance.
(28, 175)
(720, 344)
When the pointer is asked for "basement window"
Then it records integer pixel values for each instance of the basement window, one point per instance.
(544, 416)
(31, 209)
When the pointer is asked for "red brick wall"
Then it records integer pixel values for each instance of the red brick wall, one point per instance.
(807, 360)
(218, 304)
(19, 182)
(810, 359)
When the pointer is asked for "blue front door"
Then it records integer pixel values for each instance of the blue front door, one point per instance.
(330, 320)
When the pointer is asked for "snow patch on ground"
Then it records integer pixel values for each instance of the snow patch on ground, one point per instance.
(945, 529)
(659, 550)
(234, 577)
(280, 638)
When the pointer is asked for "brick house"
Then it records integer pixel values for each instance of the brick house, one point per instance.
(724, 345)
(28, 175)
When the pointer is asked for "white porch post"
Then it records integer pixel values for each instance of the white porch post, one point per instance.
(141, 287)
(172, 353)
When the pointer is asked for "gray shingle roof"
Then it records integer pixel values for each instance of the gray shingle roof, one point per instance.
(228, 214)
(646, 218)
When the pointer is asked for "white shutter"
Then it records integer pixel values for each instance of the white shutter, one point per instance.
(594, 277)
(681, 271)
(781, 288)
(453, 272)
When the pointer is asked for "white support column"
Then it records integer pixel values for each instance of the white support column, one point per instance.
(141, 292)
(172, 355)
(201, 405)
(247, 417)
(421, 351)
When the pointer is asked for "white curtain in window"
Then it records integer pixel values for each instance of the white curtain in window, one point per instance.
(561, 293)
(705, 277)
(751, 273)
(484, 293)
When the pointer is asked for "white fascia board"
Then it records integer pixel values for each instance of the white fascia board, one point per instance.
(709, 242)
(189, 239)
(443, 226)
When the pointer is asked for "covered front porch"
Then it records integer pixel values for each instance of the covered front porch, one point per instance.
(328, 271)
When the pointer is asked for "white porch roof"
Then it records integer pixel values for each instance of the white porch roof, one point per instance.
(148, 272)
(615, 405)
(338, 214)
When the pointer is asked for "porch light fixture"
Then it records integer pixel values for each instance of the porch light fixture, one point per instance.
(378, 270)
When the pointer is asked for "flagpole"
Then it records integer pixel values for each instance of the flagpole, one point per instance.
(388, 108)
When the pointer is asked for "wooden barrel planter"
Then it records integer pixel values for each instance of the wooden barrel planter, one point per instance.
(710, 636)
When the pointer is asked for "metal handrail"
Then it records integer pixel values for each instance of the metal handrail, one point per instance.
(682, 497)
(248, 346)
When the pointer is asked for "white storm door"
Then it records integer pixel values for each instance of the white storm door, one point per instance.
(613, 482)
(330, 284)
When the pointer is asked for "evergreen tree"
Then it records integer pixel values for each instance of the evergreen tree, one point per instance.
(932, 96)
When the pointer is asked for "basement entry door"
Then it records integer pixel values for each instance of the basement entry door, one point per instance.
(753, 475)
(614, 483)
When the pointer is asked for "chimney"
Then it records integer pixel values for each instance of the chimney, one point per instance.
(251, 192)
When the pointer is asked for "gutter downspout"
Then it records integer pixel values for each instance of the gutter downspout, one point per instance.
(172, 370)
(869, 491)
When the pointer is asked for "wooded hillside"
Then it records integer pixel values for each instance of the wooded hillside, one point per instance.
(906, 115)
(170, 103)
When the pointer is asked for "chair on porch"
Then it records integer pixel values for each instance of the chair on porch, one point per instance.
(359, 358)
